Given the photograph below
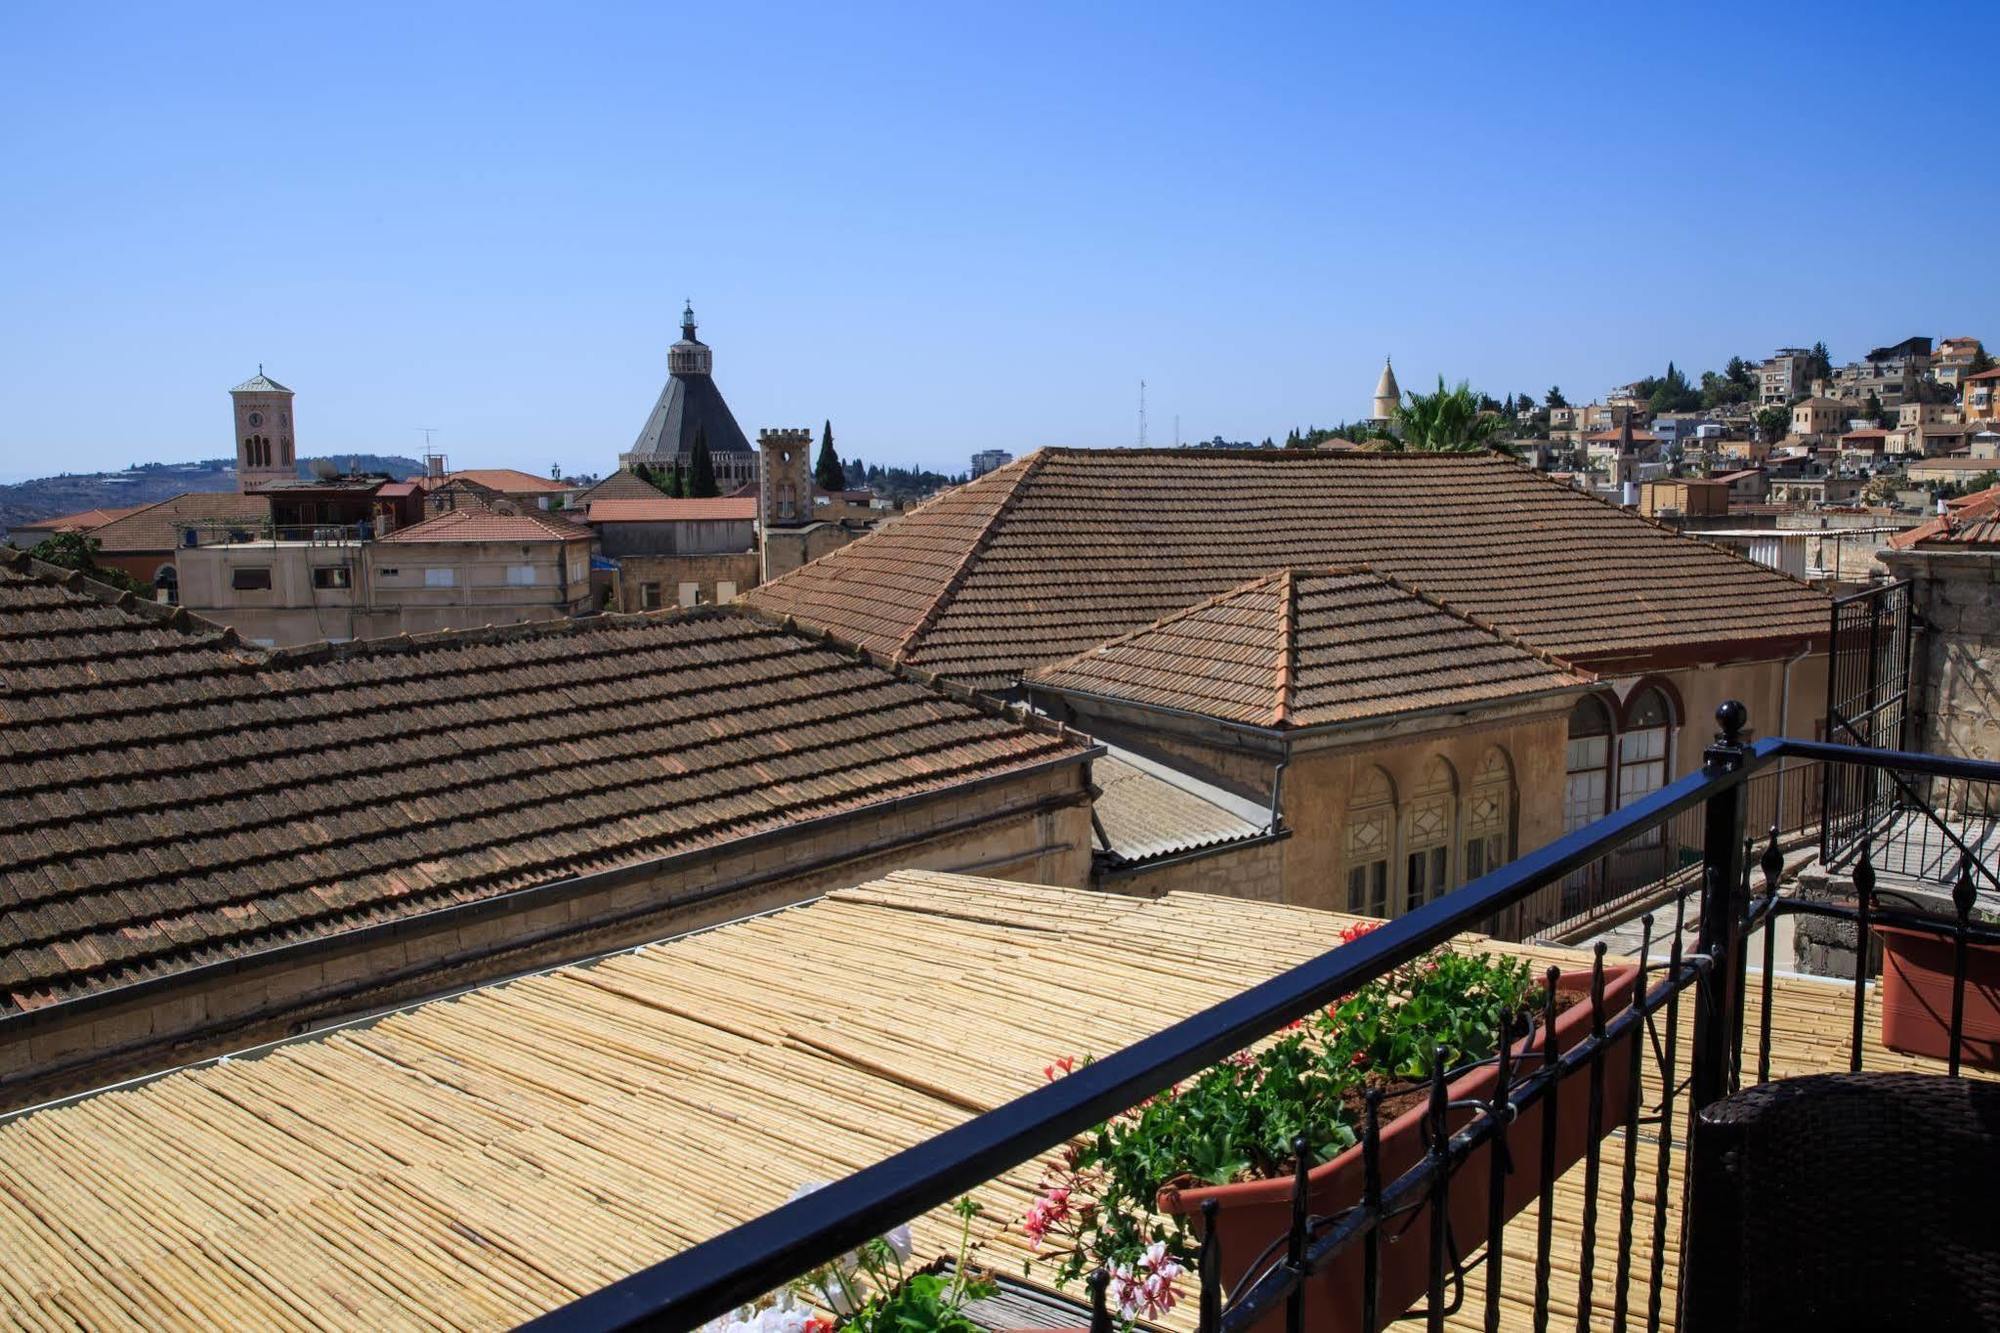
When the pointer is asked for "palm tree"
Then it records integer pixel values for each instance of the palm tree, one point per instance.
(1446, 422)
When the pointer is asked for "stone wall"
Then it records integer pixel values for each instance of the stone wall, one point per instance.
(785, 549)
(1252, 870)
(738, 569)
(1955, 596)
(1033, 827)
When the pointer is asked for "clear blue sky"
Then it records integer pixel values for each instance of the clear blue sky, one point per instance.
(950, 228)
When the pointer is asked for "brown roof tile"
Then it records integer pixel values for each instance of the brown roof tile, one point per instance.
(509, 481)
(1041, 559)
(174, 797)
(157, 527)
(475, 523)
(1312, 648)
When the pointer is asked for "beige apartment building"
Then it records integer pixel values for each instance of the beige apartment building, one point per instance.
(463, 569)
(1818, 419)
(1783, 377)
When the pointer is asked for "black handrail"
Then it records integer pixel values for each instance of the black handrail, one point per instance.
(745, 1262)
(739, 1265)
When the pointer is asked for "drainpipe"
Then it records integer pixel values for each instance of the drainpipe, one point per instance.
(1277, 795)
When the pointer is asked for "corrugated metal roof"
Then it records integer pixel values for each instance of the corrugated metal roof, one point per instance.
(1145, 812)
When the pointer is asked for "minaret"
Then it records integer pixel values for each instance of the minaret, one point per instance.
(264, 451)
(1387, 395)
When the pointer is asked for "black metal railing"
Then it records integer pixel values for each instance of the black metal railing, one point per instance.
(1867, 704)
(1643, 873)
(194, 535)
(1671, 1043)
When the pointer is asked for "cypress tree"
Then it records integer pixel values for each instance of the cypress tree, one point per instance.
(827, 470)
(701, 469)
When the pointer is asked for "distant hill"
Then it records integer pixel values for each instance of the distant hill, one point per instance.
(145, 483)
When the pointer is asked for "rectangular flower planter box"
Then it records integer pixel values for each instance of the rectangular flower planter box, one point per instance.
(1252, 1215)
(1916, 997)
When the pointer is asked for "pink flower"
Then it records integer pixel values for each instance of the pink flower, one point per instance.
(1044, 1213)
(1148, 1289)
(1065, 1065)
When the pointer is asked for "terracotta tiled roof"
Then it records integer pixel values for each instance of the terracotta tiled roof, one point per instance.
(478, 524)
(624, 484)
(157, 527)
(666, 509)
(1304, 648)
(173, 799)
(84, 520)
(1056, 552)
(510, 482)
(1993, 374)
(1973, 520)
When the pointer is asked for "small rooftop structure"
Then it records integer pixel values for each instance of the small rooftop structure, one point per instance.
(1312, 648)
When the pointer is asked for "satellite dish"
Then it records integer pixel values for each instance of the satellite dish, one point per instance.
(324, 469)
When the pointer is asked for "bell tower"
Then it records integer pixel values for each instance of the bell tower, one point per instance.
(785, 482)
(264, 449)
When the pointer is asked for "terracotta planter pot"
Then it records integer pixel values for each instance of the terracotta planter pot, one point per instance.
(1916, 997)
(1252, 1215)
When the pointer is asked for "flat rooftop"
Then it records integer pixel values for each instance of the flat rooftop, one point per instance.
(472, 1161)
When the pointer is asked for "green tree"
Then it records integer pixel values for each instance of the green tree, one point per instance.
(1981, 362)
(1555, 397)
(1739, 371)
(701, 469)
(1773, 423)
(1819, 365)
(827, 470)
(1448, 421)
(78, 551)
(1872, 409)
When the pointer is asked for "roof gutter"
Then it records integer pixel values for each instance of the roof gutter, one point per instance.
(24, 1021)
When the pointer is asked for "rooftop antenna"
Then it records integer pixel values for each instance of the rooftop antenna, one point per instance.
(1142, 414)
(426, 432)
(1177, 430)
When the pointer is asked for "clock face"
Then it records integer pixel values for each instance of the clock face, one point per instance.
(256, 418)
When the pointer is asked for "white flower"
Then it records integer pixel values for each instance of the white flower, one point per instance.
(899, 1241)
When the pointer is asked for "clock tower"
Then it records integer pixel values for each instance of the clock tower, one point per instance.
(264, 450)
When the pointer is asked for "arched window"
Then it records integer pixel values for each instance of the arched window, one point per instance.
(1588, 788)
(167, 585)
(1427, 836)
(1489, 815)
(1643, 745)
(1371, 836)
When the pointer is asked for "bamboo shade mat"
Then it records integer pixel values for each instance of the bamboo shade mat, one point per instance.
(473, 1161)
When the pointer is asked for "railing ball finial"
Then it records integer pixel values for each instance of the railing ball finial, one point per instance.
(1731, 716)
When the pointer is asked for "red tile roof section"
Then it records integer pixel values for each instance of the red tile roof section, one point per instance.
(1303, 648)
(510, 482)
(486, 525)
(175, 798)
(1971, 520)
(157, 527)
(1054, 553)
(84, 520)
(666, 509)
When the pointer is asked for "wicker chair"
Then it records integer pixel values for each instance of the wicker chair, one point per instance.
(1847, 1201)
